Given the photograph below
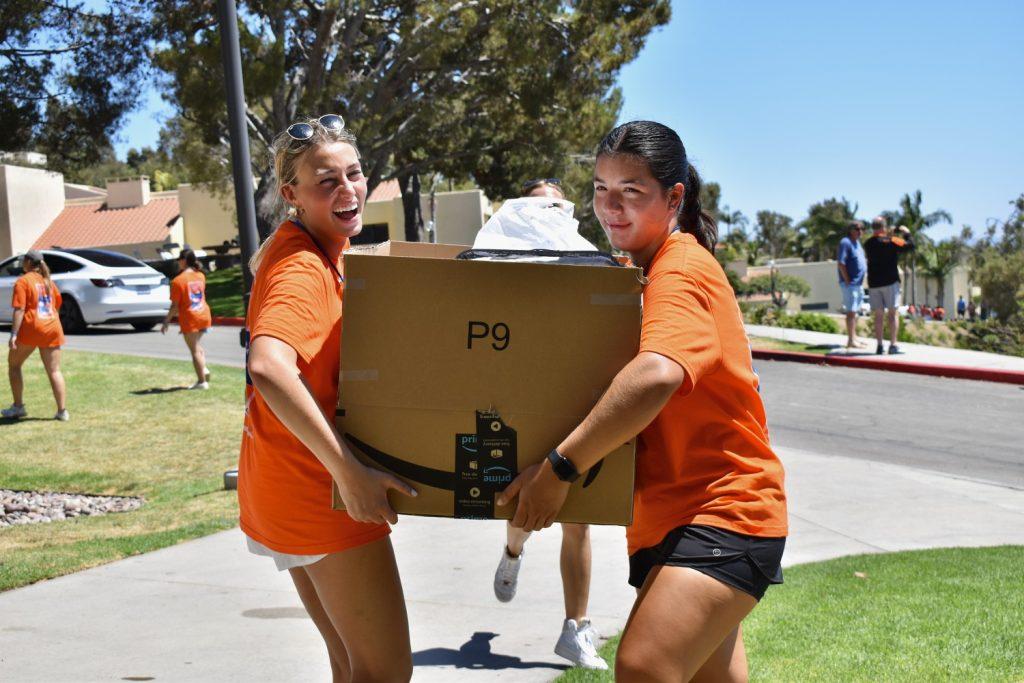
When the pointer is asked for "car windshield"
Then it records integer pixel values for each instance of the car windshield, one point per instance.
(107, 258)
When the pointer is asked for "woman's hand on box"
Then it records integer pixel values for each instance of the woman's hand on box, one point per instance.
(541, 497)
(364, 490)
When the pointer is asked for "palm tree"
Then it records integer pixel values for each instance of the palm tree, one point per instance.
(939, 260)
(911, 215)
(826, 223)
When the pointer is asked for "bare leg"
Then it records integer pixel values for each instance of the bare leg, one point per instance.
(878, 326)
(198, 355)
(515, 539)
(851, 329)
(727, 663)
(51, 361)
(575, 566)
(341, 672)
(15, 359)
(680, 620)
(894, 324)
(361, 593)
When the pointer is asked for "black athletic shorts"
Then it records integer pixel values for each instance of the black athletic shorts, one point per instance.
(747, 563)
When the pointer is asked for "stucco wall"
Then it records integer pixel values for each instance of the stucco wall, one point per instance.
(30, 199)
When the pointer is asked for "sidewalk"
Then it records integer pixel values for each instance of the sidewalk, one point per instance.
(987, 365)
(208, 611)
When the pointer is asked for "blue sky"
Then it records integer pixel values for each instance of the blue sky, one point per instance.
(786, 103)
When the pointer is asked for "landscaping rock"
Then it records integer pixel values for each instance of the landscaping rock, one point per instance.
(44, 507)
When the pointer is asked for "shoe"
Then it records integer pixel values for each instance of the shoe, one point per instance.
(14, 412)
(506, 577)
(893, 349)
(879, 350)
(62, 415)
(200, 385)
(577, 645)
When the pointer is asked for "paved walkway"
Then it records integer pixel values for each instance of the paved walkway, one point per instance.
(912, 353)
(208, 611)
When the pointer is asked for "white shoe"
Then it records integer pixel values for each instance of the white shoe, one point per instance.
(577, 645)
(62, 415)
(506, 577)
(200, 385)
(14, 412)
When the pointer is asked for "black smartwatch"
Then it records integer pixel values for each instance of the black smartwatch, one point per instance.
(563, 467)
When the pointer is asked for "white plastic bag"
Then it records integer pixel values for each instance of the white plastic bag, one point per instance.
(533, 223)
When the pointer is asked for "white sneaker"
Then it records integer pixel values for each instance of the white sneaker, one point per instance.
(14, 412)
(62, 415)
(506, 577)
(200, 385)
(577, 645)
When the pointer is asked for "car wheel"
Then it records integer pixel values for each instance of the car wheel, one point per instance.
(71, 318)
(143, 327)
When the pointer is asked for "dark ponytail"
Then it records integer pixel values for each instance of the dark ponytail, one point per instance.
(190, 260)
(661, 149)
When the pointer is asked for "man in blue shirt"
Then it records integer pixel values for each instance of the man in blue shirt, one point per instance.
(852, 266)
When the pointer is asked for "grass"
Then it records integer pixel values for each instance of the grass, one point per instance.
(169, 446)
(770, 344)
(224, 292)
(949, 614)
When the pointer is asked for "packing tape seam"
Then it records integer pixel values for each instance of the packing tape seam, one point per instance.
(359, 375)
(356, 283)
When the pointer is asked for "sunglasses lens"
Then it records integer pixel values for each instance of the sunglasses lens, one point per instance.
(300, 131)
(332, 122)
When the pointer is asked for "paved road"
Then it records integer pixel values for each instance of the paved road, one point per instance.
(964, 428)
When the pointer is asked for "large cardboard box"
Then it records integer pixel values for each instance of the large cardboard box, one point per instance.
(456, 375)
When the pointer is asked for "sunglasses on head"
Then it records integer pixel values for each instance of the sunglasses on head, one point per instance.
(530, 184)
(303, 130)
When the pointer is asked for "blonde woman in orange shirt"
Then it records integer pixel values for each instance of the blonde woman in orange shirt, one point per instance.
(341, 563)
(188, 302)
(36, 302)
(709, 513)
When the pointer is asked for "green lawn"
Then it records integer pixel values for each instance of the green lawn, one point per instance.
(950, 614)
(224, 292)
(132, 432)
(771, 344)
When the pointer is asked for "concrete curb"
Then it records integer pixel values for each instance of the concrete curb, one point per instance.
(954, 371)
(228, 321)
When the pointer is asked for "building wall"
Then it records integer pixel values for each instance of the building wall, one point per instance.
(459, 216)
(825, 295)
(209, 217)
(30, 199)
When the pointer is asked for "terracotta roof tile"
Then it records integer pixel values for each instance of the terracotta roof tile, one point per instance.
(94, 225)
(386, 191)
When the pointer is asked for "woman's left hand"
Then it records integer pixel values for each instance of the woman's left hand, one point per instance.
(541, 497)
(163, 327)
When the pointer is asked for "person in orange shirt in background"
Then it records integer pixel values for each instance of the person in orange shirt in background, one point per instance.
(36, 324)
(342, 563)
(709, 514)
(188, 302)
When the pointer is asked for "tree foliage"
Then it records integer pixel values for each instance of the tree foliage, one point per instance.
(775, 234)
(496, 90)
(826, 224)
(69, 75)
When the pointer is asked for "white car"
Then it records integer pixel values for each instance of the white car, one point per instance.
(97, 286)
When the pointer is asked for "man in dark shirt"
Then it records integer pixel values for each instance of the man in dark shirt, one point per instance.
(883, 252)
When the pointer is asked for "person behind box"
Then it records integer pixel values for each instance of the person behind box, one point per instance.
(341, 563)
(709, 515)
(35, 325)
(883, 251)
(188, 302)
(852, 266)
(576, 641)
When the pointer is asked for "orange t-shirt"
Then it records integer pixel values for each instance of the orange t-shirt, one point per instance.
(188, 291)
(41, 303)
(284, 492)
(705, 459)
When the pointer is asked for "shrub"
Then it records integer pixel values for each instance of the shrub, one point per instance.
(993, 336)
(776, 317)
(815, 322)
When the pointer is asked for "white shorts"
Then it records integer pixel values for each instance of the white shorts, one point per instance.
(882, 298)
(282, 560)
